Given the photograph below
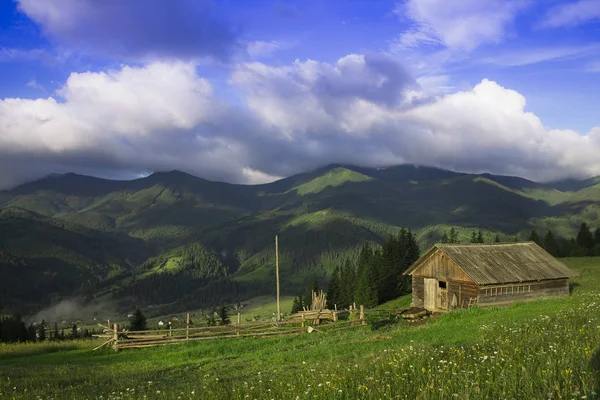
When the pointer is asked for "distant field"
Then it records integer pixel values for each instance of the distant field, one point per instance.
(542, 349)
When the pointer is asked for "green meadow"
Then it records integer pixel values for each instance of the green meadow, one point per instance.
(546, 349)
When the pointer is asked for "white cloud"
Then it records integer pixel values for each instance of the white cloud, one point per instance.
(363, 109)
(260, 48)
(536, 55)
(35, 85)
(572, 14)
(460, 25)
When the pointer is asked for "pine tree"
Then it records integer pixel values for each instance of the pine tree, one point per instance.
(366, 286)
(55, 331)
(366, 292)
(479, 237)
(224, 316)
(348, 283)
(453, 238)
(473, 237)
(297, 304)
(534, 237)
(333, 289)
(389, 272)
(584, 238)
(497, 238)
(445, 238)
(597, 236)
(550, 244)
(138, 321)
(42, 331)
(74, 333)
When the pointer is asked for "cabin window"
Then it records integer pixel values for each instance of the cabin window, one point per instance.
(442, 284)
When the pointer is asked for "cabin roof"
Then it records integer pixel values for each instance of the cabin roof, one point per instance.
(498, 263)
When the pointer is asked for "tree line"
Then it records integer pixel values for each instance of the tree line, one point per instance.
(584, 244)
(13, 329)
(371, 278)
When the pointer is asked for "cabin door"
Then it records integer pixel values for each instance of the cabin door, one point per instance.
(442, 295)
(430, 294)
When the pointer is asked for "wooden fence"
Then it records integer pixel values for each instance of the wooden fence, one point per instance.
(119, 338)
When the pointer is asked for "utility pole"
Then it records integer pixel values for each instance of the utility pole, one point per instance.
(277, 277)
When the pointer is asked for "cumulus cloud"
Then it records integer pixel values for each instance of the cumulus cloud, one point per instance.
(363, 109)
(135, 29)
(460, 25)
(572, 14)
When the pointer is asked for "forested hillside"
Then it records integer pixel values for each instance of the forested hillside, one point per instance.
(173, 237)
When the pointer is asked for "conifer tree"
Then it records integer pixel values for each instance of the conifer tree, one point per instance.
(348, 280)
(597, 236)
(453, 237)
(333, 289)
(366, 286)
(497, 238)
(138, 321)
(550, 244)
(473, 237)
(42, 331)
(297, 304)
(224, 316)
(534, 237)
(389, 271)
(584, 238)
(445, 238)
(479, 237)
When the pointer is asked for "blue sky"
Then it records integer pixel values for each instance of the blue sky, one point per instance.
(283, 86)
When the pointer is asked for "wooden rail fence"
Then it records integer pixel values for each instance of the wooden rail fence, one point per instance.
(119, 338)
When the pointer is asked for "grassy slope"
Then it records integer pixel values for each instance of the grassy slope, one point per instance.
(528, 350)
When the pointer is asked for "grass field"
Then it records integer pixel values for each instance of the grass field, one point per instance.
(544, 349)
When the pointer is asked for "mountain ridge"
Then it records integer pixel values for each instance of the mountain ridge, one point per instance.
(322, 216)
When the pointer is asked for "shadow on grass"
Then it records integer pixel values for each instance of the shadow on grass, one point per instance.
(572, 286)
(35, 350)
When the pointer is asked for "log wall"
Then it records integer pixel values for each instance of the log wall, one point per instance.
(418, 291)
(438, 266)
(493, 295)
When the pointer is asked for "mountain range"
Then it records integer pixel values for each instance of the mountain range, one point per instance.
(172, 236)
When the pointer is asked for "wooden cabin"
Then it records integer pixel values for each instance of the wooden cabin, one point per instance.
(450, 276)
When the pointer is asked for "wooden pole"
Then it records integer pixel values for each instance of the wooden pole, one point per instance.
(277, 276)
(116, 337)
(239, 322)
(187, 327)
(362, 314)
(303, 320)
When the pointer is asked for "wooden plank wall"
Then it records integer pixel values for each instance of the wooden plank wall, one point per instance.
(440, 267)
(463, 291)
(506, 294)
(418, 291)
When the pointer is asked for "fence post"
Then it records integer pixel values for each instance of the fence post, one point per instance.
(116, 337)
(303, 320)
(362, 315)
(239, 322)
(187, 327)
